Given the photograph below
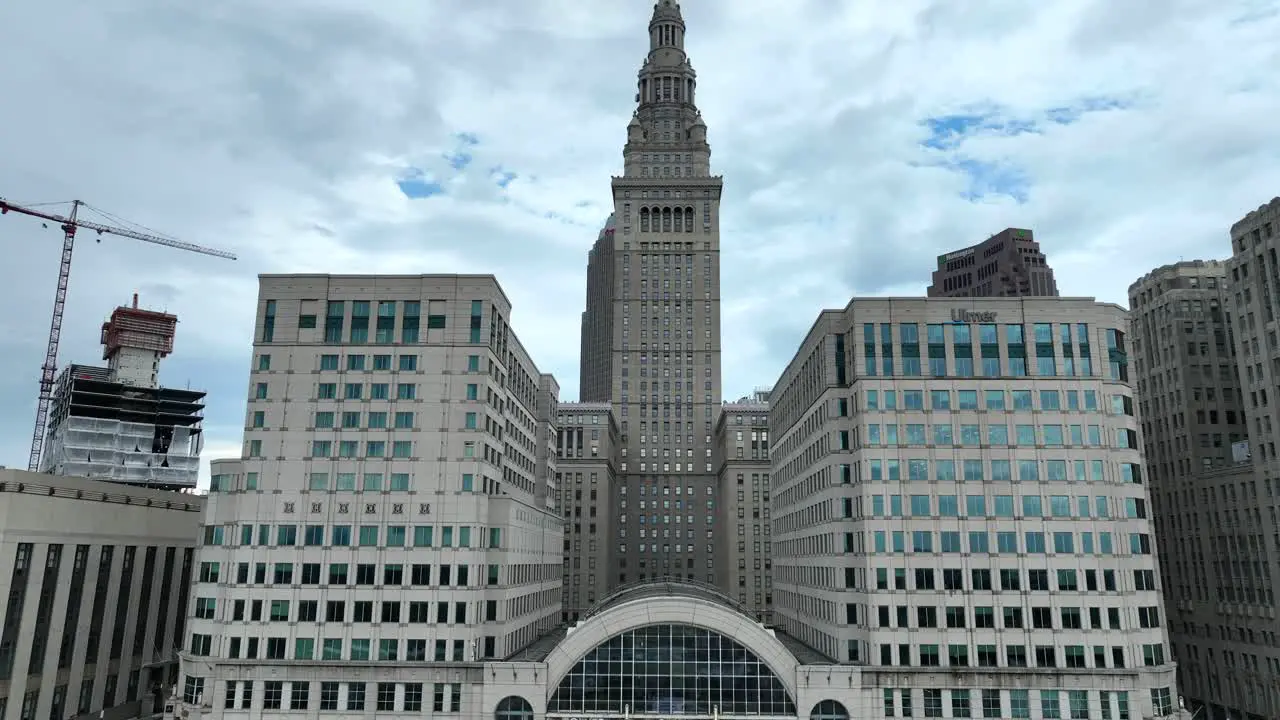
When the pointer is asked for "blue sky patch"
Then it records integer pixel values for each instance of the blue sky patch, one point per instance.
(458, 160)
(1071, 113)
(989, 178)
(415, 185)
(947, 132)
(501, 176)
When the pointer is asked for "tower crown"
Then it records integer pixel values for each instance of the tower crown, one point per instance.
(666, 28)
(666, 136)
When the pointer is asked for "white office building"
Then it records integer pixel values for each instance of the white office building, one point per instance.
(959, 508)
(393, 509)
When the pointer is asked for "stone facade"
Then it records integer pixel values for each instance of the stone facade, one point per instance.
(393, 516)
(955, 504)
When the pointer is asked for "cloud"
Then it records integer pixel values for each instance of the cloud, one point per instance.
(400, 136)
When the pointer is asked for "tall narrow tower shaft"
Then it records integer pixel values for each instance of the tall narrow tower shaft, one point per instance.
(655, 304)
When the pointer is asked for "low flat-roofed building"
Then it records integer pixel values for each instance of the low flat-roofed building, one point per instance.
(94, 577)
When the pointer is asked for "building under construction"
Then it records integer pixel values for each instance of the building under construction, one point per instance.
(116, 423)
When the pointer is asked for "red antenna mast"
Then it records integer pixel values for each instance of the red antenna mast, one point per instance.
(70, 223)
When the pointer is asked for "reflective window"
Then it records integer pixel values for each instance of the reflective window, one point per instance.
(829, 710)
(671, 670)
(513, 707)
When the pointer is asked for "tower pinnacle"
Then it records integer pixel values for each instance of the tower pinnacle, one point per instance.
(666, 123)
(666, 29)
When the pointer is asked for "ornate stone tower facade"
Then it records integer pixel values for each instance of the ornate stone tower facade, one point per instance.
(654, 303)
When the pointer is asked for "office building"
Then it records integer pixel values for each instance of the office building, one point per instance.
(1222, 609)
(96, 577)
(116, 423)
(651, 327)
(1255, 274)
(596, 354)
(591, 501)
(1007, 264)
(394, 506)
(743, 567)
(1184, 365)
(382, 545)
(1189, 399)
(959, 505)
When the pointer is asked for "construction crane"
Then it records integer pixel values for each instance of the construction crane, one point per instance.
(70, 224)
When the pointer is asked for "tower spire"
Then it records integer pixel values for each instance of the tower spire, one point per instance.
(666, 123)
(666, 27)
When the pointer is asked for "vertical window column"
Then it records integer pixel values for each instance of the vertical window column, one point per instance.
(409, 323)
(937, 350)
(989, 346)
(269, 321)
(477, 318)
(962, 349)
(360, 322)
(385, 331)
(333, 318)
(1117, 357)
(909, 336)
(1046, 365)
(869, 349)
(1015, 341)
(1068, 352)
(1085, 363)
(886, 349)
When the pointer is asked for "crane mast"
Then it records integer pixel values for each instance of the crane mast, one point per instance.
(70, 223)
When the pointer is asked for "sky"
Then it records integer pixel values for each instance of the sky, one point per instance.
(858, 139)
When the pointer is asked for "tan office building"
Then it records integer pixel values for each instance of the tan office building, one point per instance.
(96, 578)
(1007, 264)
(591, 500)
(743, 550)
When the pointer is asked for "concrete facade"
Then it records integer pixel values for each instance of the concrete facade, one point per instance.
(744, 569)
(1007, 264)
(95, 578)
(1228, 649)
(1254, 273)
(591, 501)
(1185, 369)
(1191, 405)
(651, 327)
(393, 517)
(666, 649)
(958, 498)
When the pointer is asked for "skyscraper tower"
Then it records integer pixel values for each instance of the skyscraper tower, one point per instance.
(651, 329)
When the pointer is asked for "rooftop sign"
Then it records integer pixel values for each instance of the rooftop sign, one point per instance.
(944, 259)
(959, 315)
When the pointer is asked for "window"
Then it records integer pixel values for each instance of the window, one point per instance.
(761, 692)
(514, 707)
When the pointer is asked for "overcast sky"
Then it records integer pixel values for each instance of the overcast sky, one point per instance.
(857, 139)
